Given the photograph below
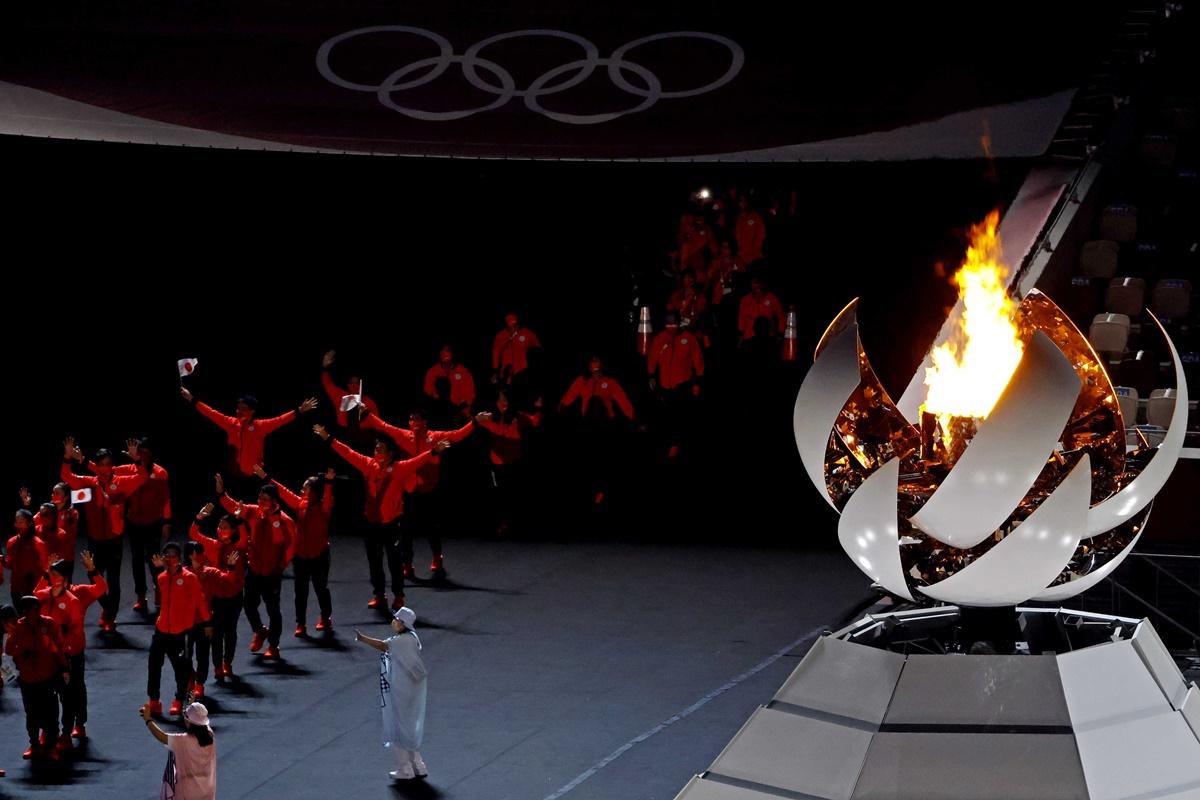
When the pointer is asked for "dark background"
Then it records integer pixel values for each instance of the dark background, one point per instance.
(127, 258)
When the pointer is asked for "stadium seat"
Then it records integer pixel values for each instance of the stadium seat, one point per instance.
(1160, 407)
(1098, 259)
(1158, 150)
(1172, 298)
(1119, 223)
(1127, 396)
(1081, 299)
(1153, 434)
(1109, 333)
(1140, 370)
(1125, 296)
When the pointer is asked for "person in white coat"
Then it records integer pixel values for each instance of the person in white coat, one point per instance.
(402, 677)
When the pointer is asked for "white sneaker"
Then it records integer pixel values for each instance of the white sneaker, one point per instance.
(402, 775)
(419, 766)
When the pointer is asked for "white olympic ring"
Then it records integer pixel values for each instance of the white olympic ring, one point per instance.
(505, 87)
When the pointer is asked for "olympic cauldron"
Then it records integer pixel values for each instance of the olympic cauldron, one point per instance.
(1042, 502)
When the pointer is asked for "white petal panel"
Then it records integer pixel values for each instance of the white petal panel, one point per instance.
(1008, 452)
(869, 534)
(1071, 588)
(1115, 510)
(827, 386)
(1029, 557)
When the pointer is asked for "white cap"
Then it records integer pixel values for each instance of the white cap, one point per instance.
(407, 616)
(196, 714)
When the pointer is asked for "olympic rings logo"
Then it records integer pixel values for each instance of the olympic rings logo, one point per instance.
(501, 83)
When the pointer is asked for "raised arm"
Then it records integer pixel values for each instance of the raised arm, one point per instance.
(353, 457)
(378, 644)
(454, 437)
(224, 422)
(572, 393)
(401, 436)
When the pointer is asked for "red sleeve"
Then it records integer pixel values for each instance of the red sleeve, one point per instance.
(91, 592)
(411, 465)
(198, 600)
(327, 498)
(120, 469)
(697, 359)
(78, 481)
(227, 424)
(290, 550)
(130, 483)
(335, 392)
(430, 380)
(622, 400)
(248, 510)
(498, 348)
(652, 356)
(43, 551)
(371, 406)
(287, 495)
(59, 648)
(353, 457)
(454, 437)
(533, 339)
(572, 393)
(403, 438)
(274, 423)
(229, 504)
(209, 544)
(492, 427)
(468, 387)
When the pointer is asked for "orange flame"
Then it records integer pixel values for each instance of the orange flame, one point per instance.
(972, 368)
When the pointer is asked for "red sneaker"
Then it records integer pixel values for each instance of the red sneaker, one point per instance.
(301, 631)
(437, 569)
(197, 690)
(140, 605)
(271, 652)
(29, 753)
(219, 671)
(256, 641)
(378, 601)
(325, 624)
(176, 708)
(155, 708)
(79, 732)
(408, 572)
(64, 742)
(398, 603)
(227, 668)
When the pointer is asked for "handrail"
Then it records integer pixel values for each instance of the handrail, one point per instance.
(1193, 635)
(1146, 559)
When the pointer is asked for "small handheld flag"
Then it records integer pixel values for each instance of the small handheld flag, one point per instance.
(187, 366)
(81, 495)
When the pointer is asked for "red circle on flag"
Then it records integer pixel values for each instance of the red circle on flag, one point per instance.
(187, 366)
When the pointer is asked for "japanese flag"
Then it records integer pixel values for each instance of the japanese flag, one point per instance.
(81, 496)
(187, 366)
(350, 402)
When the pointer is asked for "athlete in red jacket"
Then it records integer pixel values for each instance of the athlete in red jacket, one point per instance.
(66, 604)
(226, 600)
(676, 364)
(246, 432)
(386, 481)
(147, 514)
(226, 577)
(56, 523)
(759, 303)
(36, 645)
(105, 519)
(182, 607)
(424, 513)
(27, 557)
(462, 385)
(598, 395)
(510, 350)
(507, 429)
(336, 393)
(313, 508)
(270, 542)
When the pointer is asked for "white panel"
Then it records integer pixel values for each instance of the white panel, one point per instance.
(1106, 684)
(868, 530)
(1141, 758)
(1071, 588)
(1110, 513)
(701, 789)
(1007, 453)
(1190, 708)
(1029, 557)
(850, 680)
(1160, 664)
(827, 386)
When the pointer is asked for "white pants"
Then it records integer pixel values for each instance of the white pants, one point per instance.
(410, 765)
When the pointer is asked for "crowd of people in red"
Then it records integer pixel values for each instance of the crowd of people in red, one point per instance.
(234, 562)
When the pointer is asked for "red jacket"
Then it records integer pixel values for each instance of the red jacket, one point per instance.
(677, 357)
(506, 436)
(750, 233)
(38, 649)
(246, 437)
(271, 537)
(385, 484)
(217, 553)
(59, 542)
(182, 606)
(150, 504)
(224, 582)
(427, 475)
(68, 609)
(106, 511)
(510, 350)
(312, 528)
(462, 385)
(751, 308)
(28, 559)
(336, 393)
(691, 306)
(605, 388)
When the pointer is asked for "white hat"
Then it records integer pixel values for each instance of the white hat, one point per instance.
(196, 714)
(407, 616)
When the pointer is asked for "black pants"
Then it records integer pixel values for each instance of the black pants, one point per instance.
(380, 538)
(41, 709)
(172, 646)
(74, 696)
(316, 570)
(144, 541)
(422, 517)
(264, 589)
(107, 554)
(198, 647)
(679, 404)
(225, 614)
